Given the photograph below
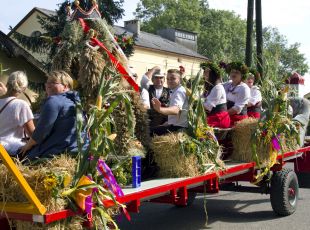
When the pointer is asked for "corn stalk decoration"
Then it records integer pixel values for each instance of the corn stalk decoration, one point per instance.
(202, 141)
(86, 50)
(275, 129)
(98, 135)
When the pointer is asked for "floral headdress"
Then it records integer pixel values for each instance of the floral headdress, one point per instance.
(254, 73)
(238, 66)
(212, 66)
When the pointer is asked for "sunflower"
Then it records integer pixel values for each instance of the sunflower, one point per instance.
(50, 182)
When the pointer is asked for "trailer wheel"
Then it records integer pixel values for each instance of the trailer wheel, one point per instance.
(284, 192)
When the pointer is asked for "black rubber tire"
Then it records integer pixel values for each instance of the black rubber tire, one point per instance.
(303, 180)
(284, 192)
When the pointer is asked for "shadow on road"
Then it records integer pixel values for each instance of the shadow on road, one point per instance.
(220, 208)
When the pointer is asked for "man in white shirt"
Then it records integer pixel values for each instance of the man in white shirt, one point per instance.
(144, 94)
(178, 106)
(153, 81)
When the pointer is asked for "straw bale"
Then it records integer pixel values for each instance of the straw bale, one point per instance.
(74, 223)
(34, 175)
(241, 138)
(242, 135)
(171, 161)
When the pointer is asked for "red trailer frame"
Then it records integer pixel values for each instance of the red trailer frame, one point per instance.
(176, 191)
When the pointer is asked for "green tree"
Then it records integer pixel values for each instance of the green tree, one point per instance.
(221, 34)
(282, 56)
(181, 14)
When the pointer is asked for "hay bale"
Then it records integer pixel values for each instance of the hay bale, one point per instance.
(170, 159)
(34, 175)
(242, 145)
(73, 223)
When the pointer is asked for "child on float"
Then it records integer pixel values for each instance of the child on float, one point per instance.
(237, 92)
(255, 101)
(215, 97)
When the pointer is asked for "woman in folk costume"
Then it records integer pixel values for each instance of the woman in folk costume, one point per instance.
(255, 102)
(215, 97)
(237, 92)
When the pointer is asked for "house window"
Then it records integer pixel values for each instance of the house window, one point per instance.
(36, 34)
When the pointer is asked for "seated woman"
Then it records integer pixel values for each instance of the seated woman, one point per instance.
(16, 118)
(215, 97)
(255, 101)
(55, 131)
(237, 92)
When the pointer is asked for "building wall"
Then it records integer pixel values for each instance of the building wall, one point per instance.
(144, 59)
(29, 26)
(19, 63)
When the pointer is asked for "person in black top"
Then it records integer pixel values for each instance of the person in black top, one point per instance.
(156, 90)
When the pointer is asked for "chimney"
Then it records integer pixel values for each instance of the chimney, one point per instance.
(182, 37)
(133, 26)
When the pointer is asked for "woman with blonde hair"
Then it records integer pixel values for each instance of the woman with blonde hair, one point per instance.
(55, 131)
(16, 118)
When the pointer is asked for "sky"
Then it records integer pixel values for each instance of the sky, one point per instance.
(292, 18)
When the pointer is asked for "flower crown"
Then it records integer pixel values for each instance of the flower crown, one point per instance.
(212, 66)
(238, 66)
(254, 73)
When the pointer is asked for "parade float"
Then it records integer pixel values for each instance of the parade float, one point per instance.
(88, 191)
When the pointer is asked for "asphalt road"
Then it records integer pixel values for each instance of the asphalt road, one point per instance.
(226, 210)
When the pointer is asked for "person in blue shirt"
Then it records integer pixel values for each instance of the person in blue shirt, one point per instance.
(55, 131)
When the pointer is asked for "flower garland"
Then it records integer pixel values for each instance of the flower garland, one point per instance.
(238, 66)
(211, 66)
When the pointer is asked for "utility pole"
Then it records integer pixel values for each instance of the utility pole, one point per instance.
(249, 47)
(259, 36)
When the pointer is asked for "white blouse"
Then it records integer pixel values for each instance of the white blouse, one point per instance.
(145, 82)
(144, 95)
(12, 120)
(256, 96)
(178, 98)
(239, 94)
(216, 97)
